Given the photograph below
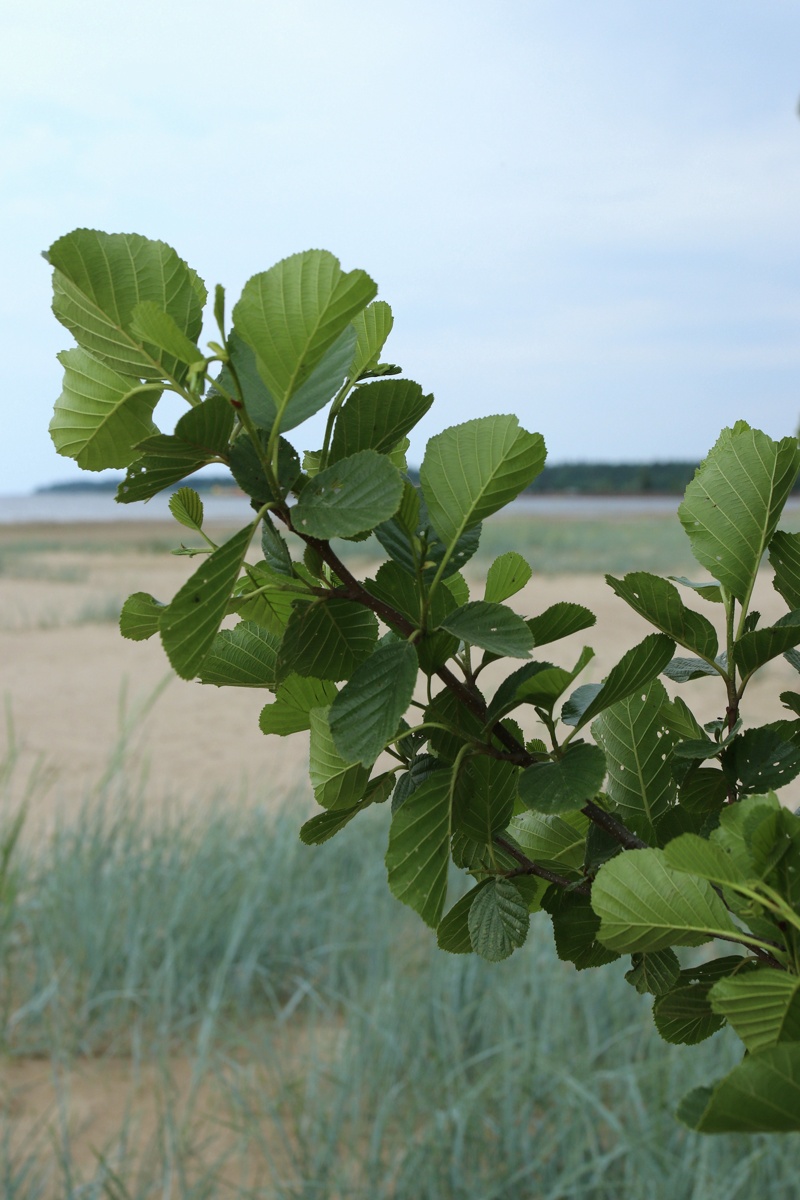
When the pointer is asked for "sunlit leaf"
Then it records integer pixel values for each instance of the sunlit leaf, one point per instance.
(733, 504)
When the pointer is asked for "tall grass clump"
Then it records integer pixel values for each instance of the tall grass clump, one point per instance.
(346, 1056)
(127, 923)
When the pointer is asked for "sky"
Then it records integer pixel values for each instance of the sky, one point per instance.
(584, 213)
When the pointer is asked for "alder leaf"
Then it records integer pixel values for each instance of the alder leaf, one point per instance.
(659, 602)
(757, 647)
(645, 905)
(559, 621)
(762, 1006)
(152, 325)
(472, 470)
(635, 670)
(100, 416)
(293, 313)
(373, 326)
(376, 416)
(760, 1095)
(201, 436)
(498, 920)
(350, 497)
(294, 700)
(187, 508)
(365, 715)
(567, 783)
(190, 622)
(336, 783)
(784, 558)
(327, 639)
(140, 616)
(733, 504)
(99, 279)
(419, 847)
(637, 746)
(245, 656)
(452, 932)
(507, 575)
(493, 627)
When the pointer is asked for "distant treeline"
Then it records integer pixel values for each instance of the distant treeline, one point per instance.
(579, 479)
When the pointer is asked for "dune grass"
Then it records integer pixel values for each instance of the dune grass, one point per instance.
(334, 1051)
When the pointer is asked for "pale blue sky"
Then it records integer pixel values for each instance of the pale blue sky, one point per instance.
(586, 213)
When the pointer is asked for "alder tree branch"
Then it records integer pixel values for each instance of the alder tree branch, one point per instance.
(352, 589)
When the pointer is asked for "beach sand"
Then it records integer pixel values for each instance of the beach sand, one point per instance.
(84, 701)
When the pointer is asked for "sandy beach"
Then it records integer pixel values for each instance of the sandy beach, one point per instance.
(83, 700)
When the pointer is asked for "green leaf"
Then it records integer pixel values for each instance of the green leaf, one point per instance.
(498, 920)
(336, 783)
(328, 638)
(350, 497)
(695, 855)
(274, 548)
(151, 324)
(566, 784)
(633, 672)
(294, 700)
(754, 649)
(559, 621)
(575, 929)
(659, 602)
(556, 842)
(373, 326)
(684, 1016)
(684, 670)
(365, 715)
(377, 416)
(293, 313)
(323, 383)
(760, 1095)
(493, 627)
(736, 823)
(201, 436)
(410, 542)
(322, 827)
(733, 504)
(680, 719)
(419, 847)
(100, 415)
(187, 508)
(190, 623)
(536, 683)
(472, 470)
(245, 656)
(645, 905)
(784, 558)
(763, 760)
(656, 972)
(266, 597)
(507, 575)
(100, 278)
(710, 591)
(248, 470)
(484, 797)
(637, 746)
(704, 790)
(140, 616)
(762, 1006)
(240, 378)
(452, 933)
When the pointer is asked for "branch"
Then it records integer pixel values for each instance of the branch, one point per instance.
(353, 590)
(528, 867)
